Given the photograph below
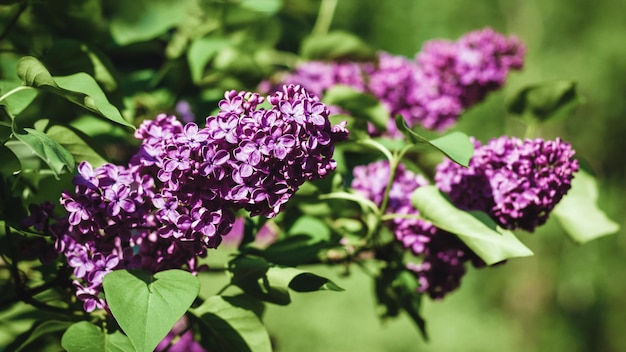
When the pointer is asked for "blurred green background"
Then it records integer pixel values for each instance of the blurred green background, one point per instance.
(565, 298)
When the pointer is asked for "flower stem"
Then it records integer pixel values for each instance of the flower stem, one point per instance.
(325, 17)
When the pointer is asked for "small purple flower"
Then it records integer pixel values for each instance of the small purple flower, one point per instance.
(119, 197)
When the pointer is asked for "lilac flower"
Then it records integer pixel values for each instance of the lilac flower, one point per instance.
(516, 182)
(177, 196)
(432, 90)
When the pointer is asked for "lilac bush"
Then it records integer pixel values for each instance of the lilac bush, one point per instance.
(178, 195)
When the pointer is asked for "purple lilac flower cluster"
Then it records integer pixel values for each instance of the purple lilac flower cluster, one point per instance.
(178, 194)
(434, 89)
(517, 182)
(444, 255)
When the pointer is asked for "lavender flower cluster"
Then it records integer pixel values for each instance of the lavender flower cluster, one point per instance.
(432, 90)
(178, 194)
(444, 255)
(517, 182)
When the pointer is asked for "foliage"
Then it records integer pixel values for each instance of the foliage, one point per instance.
(79, 78)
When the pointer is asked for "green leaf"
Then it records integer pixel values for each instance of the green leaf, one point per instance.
(360, 105)
(79, 88)
(481, 234)
(52, 153)
(33, 73)
(86, 337)
(269, 7)
(20, 99)
(201, 51)
(334, 46)
(456, 145)
(543, 101)
(269, 283)
(579, 214)
(232, 328)
(75, 144)
(396, 290)
(146, 306)
(142, 20)
(83, 90)
(45, 328)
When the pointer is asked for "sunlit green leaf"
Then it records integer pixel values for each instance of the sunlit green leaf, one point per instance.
(86, 337)
(547, 100)
(334, 46)
(146, 306)
(82, 89)
(201, 51)
(232, 328)
(142, 20)
(481, 234)
(579, 214)
(79, 88)
(456, 145)
(52, 153)
(269, 7)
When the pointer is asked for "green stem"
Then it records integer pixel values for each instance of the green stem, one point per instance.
(353, 197)
(13, 91)
(325, 17)
(376, 145)
(392, 216)
(394, 162)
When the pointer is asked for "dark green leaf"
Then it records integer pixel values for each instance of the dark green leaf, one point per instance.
(360, 105)
(481, 234)
(67, 56)
(33, 73)
(46, 148)
(456, 145)
(142, 20)
(250, 273)
(335, 45)
(231, 327)
(145, 306)
(75, 144)
(545, 101)
(292, 250)
(86, 337)
(263, 281)
(579, 214)
(40, 330)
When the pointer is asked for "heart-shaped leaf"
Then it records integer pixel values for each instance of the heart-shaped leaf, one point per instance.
(146, 306)
(481, 234)
(86, 337)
